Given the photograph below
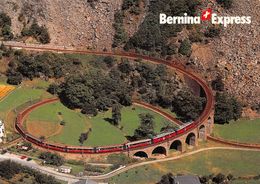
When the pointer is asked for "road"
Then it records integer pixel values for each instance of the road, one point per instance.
(70, 179)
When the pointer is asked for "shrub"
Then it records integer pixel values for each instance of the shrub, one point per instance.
(185, 47)
(212, 32)
(226, 3)
(40, 33)
(52, 158)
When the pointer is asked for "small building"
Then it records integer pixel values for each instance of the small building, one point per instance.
(187, 179)
(2, 131)
(65, 169)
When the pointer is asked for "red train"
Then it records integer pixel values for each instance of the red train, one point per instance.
(95, 150)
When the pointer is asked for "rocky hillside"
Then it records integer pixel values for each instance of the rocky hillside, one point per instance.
(235, 55)
(81, 23)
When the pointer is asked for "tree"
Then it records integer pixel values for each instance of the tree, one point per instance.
(52, 158)
(146, 129)
(218, 84)
(83, 137)
(14, 77)
(185, 47)
(187, 106)
(5, 20)
(110, 61)
(116, 114)
(167, 179)
(7, 33)
(226, 108)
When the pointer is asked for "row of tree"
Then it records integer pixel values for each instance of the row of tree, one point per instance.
(213, 179)
(9, 169)
(46, 65)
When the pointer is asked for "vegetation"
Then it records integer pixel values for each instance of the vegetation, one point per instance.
(242, 131)
(119, 159)
(116, 114)
(95, 89)
(226, 3)
(146, 129)
(48, 116)
(120, 36)
(132, 5)
(226, 108)
(5, 27)
(10, 170)
(152, 36)
(45, 121)
(213, 179)
(185, 47)
(52, 158)
(237, 163)
(218, 84)
(83, 137)
(33, 66)
(40, 33)
(212, 32)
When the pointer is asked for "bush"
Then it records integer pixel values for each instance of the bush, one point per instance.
(218, 84)
(5, 25)
(212, 32)
(226, 3)
(40, 33)
(52, 158)
(185, 47)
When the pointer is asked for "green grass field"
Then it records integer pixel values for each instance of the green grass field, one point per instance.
(238, 163)
(103, 133)
(242, 131)
(16, 98)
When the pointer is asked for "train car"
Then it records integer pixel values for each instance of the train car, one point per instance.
(109, 149)
(138, 144)
(160, 138)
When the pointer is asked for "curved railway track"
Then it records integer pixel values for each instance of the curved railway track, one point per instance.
(209, 107)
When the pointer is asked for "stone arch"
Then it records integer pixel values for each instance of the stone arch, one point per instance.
(159, 150)
(191, 139)
(176, 145)
(202, 132)
(141, 154)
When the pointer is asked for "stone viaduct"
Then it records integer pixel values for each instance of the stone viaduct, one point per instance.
(182, 143)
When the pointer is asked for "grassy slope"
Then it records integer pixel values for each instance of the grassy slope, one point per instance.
(103, 133)
(130, 121)
(16, 98)
(242, 130)
(238, 163)
(75, 122)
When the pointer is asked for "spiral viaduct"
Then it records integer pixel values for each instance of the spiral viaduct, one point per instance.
(184, 138)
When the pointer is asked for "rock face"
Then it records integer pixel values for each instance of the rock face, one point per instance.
(72, 23)
(240, 48)
(236, 54)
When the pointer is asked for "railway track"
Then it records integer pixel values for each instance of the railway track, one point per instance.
(209, 107)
